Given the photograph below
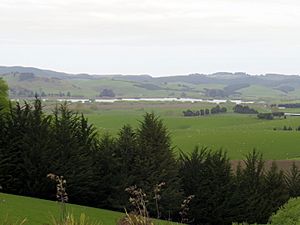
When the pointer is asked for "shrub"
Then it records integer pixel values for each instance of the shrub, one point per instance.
(244, 109)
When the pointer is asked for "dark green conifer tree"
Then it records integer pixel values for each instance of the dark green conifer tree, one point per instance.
(107, 173)
(250, 189)
(126, 153)
(208, 176)
(25, 147)
(155, 163)
(73, 147)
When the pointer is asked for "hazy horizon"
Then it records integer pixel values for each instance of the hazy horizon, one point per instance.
(164, 75)
(151, 37)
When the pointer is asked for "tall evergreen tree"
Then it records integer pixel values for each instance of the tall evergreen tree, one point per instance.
(25, 147)
(155, 163)
(107, 173)
(126, 153)
(73, 147)
(36, 154)
(207, 175)
(249, 189)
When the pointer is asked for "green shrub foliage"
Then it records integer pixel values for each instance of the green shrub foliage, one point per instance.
(289, 214)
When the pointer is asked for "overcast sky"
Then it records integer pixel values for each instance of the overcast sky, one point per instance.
(157, 37)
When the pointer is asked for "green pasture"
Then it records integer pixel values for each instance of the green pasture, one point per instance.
(38, 212)
(237, 134)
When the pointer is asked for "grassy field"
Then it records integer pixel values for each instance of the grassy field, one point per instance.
(236, 133)
(37, 211)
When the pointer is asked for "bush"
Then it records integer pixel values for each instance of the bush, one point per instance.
(244, 109)
(266, 116)
(288, 214)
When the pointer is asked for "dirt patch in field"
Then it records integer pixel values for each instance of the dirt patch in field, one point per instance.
(282, 164)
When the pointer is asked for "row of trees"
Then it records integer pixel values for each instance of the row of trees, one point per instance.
(250, 194)
(244, 109)
(202, 112)
(287, 128)
(98, 169)
(290, 105)
(270, 116)
(23, 92)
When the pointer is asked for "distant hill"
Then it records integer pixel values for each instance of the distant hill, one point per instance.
(36, 71)
(26, 81)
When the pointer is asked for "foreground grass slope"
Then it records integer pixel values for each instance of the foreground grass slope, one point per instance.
(38, 211)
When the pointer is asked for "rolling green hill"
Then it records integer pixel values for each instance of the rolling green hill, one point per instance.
(26, 81)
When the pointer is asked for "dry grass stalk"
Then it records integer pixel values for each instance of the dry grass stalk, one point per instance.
(61, 194)
(138, 200)
(61, 183)
(185, 209)
(157, 197)
(139, 214)
(133, 219)
(6, 221)
(71, 220)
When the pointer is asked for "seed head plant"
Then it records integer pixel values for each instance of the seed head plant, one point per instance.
(139, 214)
(185, 209)
(61, 194)
(157, 197)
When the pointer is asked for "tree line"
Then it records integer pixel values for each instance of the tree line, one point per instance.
(270, 116)
(98, 168)
(287, 128)
(202, 112)
(244, 109)
(289, 105)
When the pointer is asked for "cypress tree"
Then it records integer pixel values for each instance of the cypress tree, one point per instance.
(24, 150)
(208, 176)
(126, 153)
(155, 163)
(107, 173)
(12, 129)
(73, 147)
(36, 152)
(250, 189)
